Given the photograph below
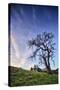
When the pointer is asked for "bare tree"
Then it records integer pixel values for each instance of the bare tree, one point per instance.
(44, 49)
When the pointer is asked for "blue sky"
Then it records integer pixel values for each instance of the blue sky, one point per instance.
(26, 21)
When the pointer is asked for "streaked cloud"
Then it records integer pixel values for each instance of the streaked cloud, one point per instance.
(34, 15)
(22, 12)
(15, 46)
(16, 57)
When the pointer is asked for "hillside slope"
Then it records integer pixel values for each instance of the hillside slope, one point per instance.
(20, 77)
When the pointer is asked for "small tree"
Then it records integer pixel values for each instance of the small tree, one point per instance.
(35, 67)
(31, 69)
(44, 49)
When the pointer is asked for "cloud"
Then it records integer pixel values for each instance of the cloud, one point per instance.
(15, 46)
(34, 15)
(16, 57)
(22, 12)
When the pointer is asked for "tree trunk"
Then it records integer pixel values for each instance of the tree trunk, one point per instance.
(48, 67)
(48, 64)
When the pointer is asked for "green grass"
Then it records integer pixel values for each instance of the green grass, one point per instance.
(20, 77)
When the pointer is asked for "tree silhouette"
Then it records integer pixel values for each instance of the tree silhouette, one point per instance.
(35, 67)
(44, 49)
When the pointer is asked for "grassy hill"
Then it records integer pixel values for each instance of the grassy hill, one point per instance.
(20, 77)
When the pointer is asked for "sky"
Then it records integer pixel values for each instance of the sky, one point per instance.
(26, 21)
